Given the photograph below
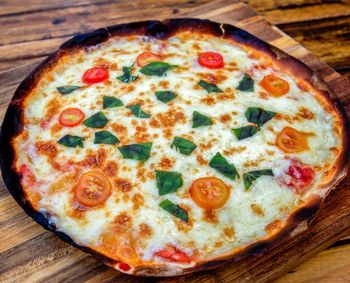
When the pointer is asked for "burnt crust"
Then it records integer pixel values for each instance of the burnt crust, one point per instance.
(13, 125)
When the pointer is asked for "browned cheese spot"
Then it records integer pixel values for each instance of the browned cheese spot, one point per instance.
(274, 226)
(137, 200)
(123, 185)
(210, 216)
(145, 230)
(94, 159)
(111, 168)
(166, 163)
(123, 222)
(47, 148)
(257, 209)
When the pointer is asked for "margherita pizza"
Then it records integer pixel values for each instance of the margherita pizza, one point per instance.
(169, 147)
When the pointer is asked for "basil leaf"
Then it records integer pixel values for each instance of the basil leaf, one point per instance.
(250, 177)
(105, 137)
(67, 89)
(174, 209)
(245, 132)
(126, 77)
(199, 120)
(258, 115)
(156, 69)
(246, 84)
(209, 87)
(97, 120)
(110, 102)
(136, 110)
(137, 151)
(168, 181)
(220, 164)
(183, 145)
(71, 141)
(165, 95)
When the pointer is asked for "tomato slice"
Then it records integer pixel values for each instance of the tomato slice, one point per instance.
(93, 189)
(124, 266)
(95, 75)
(172, 253)
(290, 140)
(209, 192)
(71, 117)
(301, 177)
(147, 57)
(211, 60)
(274, 85)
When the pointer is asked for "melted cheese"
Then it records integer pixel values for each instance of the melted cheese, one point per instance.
(247, 213)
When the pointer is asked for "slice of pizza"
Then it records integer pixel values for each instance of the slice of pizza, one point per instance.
(170, 147)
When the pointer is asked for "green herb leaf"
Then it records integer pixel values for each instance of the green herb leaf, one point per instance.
(174, 209)
(137, 151)
(126, 77)
(165, 95)
(97, 120)
(209, 87)
(136, 110)
(168, 181)
(110, 102)
(246, 84)
(220, 164)
(105, 137)
(245, 132)
(67, 89)
(156, 69)
(183, 145)
(250, 177)
(71, 141)
(258, 115)
(199, 120)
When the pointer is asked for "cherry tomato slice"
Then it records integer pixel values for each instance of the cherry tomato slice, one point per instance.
(145, 58)
(172, 253)
(95, 75)
(209, 192)
(290, 140)
(124, 266)
(301, 177)
(92, 189)
(211, 60)
(275, 86)
(71, 117)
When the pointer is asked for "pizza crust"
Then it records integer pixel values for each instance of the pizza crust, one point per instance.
(13, 125)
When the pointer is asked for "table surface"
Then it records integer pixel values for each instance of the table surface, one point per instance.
(322, 26)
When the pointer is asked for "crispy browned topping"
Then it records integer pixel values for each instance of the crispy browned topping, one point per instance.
(306, 114)
(95, 159)
(273, 226)
(164, 84)
(111, 168)
(209, 100)
(123, 222)
(201, 160)
(145, 230)
(257, 209)
(229, 232)
(171, 117)
(212, 78)
(210, 216)
(123, 185)
(232, 150)
(166, 163)
(47, 148)
(225, 118)
(137, 200)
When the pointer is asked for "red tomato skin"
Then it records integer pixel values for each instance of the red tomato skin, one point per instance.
(95, 75)
(71, 111)
(211, 60)
(147, 57)
(301, 177)
(124, 266)
(173, 254)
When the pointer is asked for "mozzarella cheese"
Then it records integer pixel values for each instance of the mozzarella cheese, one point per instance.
(247, 216)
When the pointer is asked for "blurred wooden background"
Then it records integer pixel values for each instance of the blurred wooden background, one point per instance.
(32, 29)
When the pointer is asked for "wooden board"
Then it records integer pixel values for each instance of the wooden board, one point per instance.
(28, 253)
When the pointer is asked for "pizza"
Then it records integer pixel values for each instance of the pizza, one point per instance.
(164, 148)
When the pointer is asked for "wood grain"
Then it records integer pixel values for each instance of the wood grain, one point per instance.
(28, 34)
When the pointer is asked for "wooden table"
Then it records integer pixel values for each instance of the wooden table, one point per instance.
(30, 30)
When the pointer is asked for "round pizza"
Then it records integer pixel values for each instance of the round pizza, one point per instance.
(170, 147)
